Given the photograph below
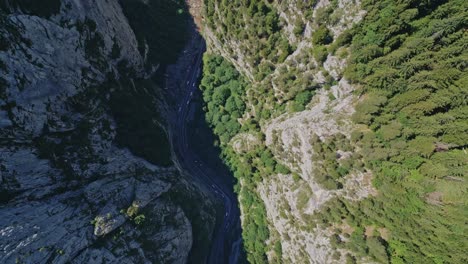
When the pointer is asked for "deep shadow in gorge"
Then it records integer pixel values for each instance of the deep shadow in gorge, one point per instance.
(78, 182)
(193, 145)
(168, 36)
(201, 142)
(164, 40)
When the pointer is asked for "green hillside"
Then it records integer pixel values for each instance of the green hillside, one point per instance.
(407, 60)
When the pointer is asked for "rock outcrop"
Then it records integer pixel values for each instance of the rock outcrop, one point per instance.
(70, 191)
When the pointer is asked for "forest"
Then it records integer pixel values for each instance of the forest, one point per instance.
(257, 30)
(224, 95)
(408, 60)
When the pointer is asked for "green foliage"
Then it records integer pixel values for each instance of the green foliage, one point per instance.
(223, 92)
(422, 146)
(391, 131)
(332, 167)
(350, 259)
(280, 168)
(299, 27)
(376, 249)
(301, 100)
(278, 250)
(366, 110)
(139, 219)
(131, 211)
(258, 30)
(409, 57)
(343, 39)
(321, 36)
(406, 56)
(323, 14)
(320, 53)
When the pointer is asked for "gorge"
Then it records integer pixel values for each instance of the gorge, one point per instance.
(233, 131)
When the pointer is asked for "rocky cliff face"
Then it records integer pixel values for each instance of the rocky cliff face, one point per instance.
(293, 197)
(73, 80)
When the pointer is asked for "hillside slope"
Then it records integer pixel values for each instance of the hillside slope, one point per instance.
(345, 123)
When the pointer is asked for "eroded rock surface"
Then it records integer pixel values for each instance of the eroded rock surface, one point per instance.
(69, 191)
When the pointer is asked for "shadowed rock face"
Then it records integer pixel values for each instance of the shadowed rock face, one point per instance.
(68, 191)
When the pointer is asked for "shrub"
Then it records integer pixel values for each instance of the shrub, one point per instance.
(321, 36)
(139, 219)
(301, 100)
(299, 27)
(320, 54)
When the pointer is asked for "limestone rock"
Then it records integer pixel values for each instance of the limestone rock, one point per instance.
(65, 182)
